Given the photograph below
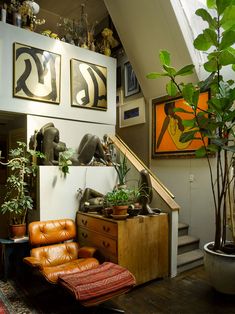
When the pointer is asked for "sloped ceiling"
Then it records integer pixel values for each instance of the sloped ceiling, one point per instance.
(145, 27)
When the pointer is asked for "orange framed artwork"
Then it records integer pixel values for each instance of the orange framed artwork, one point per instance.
(168, 127)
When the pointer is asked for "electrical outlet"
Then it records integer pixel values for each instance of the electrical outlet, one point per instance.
(191, 177)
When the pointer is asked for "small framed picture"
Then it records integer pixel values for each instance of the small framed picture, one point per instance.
(132, 113)
(131, 85)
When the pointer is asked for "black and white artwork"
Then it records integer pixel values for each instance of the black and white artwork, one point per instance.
(36, 74)
(88, 85)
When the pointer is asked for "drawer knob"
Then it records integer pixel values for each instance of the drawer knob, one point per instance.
(84, 222)
(106, 245)
(84, 235)
(106, 229)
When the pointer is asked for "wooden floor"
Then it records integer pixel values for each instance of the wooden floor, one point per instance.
(187, 293)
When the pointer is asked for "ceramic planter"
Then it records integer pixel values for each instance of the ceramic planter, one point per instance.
(120, 210)
(220, 268)
(17, 231)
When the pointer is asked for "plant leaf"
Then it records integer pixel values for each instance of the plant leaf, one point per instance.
(211, 4)
(170, 70)
(228, 39)
(211, 65)
(200, 152)
(228, 19)
(226, 57)
(165, 57)
(205, 15)
(188, 69)
(188, 136)
(154, 75)
(222, 5)
(171, 89)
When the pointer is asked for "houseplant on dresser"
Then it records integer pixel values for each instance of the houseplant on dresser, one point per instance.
(18, 199)
(217, 125)
(119, 199)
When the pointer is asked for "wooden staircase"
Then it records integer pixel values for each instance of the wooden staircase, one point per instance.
(189, 255)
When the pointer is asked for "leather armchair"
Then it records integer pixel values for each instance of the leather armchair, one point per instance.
(54, 251)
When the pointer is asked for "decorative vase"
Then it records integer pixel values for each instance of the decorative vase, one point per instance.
(17, 231)
(220, 269)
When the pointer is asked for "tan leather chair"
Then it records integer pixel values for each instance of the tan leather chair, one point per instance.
(55, 252)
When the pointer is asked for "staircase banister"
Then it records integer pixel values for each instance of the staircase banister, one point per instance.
(157, 185)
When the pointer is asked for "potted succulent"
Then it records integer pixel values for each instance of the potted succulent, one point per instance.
(18, 199)
(217, 124)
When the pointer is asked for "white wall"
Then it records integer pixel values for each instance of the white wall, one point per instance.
(10, 34)
(58, 195)
(71, 132)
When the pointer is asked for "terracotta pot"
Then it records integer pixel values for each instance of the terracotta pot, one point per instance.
(220, 269)
(17, 231)
(120, 210)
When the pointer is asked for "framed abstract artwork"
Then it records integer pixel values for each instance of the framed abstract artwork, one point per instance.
(132, 113)
(88, 85)
(36, 74)
(168, 127)
(131, 85)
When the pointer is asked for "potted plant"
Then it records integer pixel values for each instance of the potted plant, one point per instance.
(18, 199)
(217, 125)
(122, 170)
(120, 199)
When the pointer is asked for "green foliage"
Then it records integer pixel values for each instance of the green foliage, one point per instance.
(217, 123)
(122, 170)
(65, 160)
(121, 197)
(18, 200)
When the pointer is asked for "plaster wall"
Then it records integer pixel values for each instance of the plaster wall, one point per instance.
(59, 194)
(10, 34)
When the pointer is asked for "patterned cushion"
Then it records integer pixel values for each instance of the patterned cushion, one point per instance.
(99, 284)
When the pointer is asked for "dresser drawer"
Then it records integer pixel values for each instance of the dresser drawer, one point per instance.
(98, 225)
(106, 245)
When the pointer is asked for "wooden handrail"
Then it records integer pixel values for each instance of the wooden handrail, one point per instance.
(162, 191)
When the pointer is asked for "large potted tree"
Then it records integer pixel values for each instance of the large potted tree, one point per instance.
(18, 200)
(217, 125)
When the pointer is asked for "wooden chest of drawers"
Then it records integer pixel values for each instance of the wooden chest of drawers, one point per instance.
(140, 244)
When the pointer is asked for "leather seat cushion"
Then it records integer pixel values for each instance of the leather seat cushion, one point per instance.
(74, 266)
(98, 284)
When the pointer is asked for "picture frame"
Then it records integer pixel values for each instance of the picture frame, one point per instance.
(167, 127)
(88, 85)
(131, 84)
(132, 113)
(36, 74)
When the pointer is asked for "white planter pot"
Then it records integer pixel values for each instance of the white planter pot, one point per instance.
(220, 268)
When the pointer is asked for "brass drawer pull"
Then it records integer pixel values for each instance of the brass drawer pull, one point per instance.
(84, 235)
(84, 222)
(106, 229)
(106, 245)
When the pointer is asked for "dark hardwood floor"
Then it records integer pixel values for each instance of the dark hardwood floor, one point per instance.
(188, 293)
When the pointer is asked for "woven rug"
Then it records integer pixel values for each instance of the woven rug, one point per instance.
(35, 296)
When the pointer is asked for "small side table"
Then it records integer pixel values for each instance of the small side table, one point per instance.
(13, 253)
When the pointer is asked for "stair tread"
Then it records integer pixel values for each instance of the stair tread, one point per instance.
(186, 239)
(189, 257)
(182, 225)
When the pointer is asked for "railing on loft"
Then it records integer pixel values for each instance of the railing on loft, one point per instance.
(166, 196)
(158, 187)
